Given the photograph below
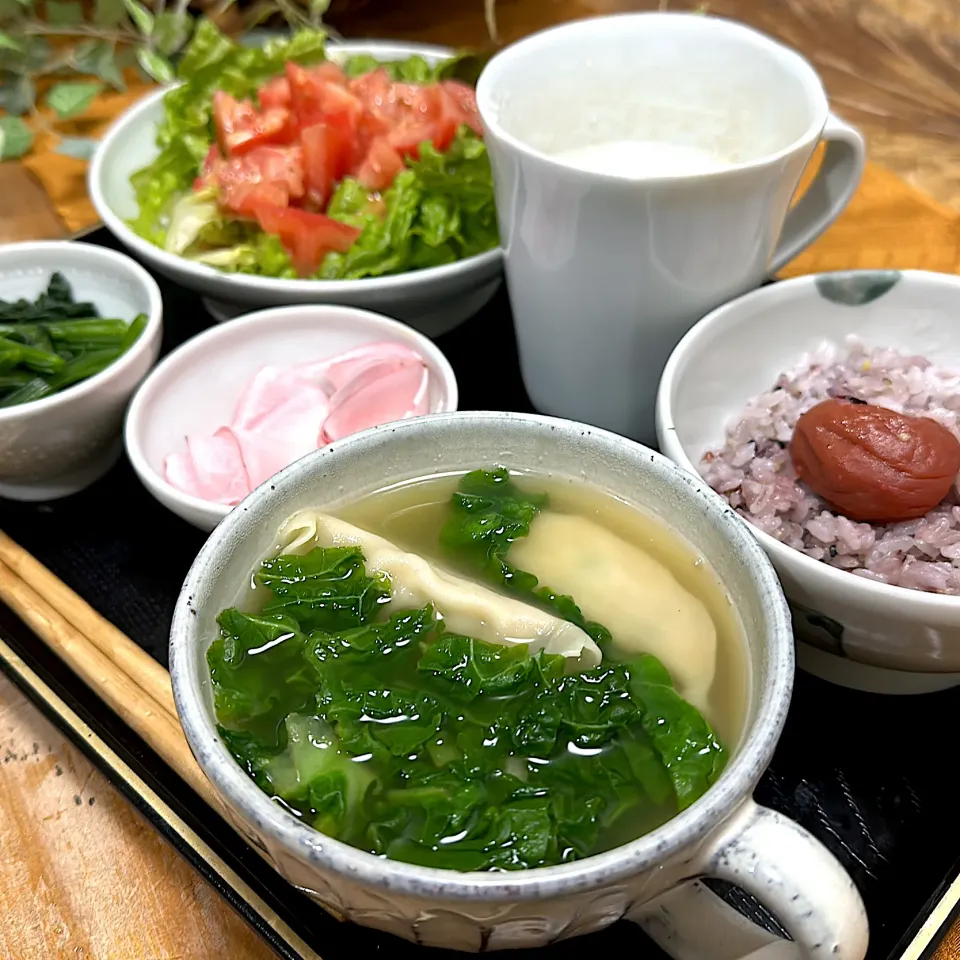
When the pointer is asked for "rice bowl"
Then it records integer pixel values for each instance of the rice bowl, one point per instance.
(754, 473)
(858, 630)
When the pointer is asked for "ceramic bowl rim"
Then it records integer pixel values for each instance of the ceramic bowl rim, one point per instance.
(867, 591)
(802, 68)
(682, 831)
(412, 281)
(184, 354)
(121, 265)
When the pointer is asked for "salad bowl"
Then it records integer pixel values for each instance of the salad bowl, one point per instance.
(433, 299)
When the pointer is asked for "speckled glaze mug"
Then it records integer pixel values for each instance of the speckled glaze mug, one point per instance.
(724, 834)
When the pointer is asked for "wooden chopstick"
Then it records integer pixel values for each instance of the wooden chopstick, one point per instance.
(116, 646)
(119, 688)
(126, 678)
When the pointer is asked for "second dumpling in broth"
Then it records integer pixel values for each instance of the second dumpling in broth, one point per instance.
(631, 593)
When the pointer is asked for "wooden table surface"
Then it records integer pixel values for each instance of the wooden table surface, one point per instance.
(82, 875)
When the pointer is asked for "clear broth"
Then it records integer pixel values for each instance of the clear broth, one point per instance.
(410, 514)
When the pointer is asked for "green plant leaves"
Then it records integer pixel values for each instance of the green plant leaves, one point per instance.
(142, 18)
(108, 13)
(82, 148)
(16, 138)
(63, 13)
(99, 57)
(10, 43)
(156, 65)
(69, 99)
(17, 95)
(171, 31)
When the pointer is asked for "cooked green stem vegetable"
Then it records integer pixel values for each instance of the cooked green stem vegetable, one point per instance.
(54, 342)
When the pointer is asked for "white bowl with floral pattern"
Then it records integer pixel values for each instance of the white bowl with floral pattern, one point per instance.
(856, 632)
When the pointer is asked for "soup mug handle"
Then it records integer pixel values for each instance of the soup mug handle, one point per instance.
(835, 182)
(789, 871)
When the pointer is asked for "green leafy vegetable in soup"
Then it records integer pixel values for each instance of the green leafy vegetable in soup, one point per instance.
(280, 162)
(348, 697)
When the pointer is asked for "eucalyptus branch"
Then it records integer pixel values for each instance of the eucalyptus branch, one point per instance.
(292, 13)
(39, 29)
(98, 41)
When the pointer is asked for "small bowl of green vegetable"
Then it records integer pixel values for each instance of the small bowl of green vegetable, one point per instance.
(80, 326)
(306, 172)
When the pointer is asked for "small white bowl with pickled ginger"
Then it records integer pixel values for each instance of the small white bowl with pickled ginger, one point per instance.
(231, 407)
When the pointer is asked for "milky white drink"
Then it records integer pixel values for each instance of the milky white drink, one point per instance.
(642, 158)
(644, 165)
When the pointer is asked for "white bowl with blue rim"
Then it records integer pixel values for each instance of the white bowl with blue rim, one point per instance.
(433, 300)
(853, 631)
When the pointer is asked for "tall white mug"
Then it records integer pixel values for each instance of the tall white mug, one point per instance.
(644, 167)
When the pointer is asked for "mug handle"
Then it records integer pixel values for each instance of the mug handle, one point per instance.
(833, 186)
(789, 871)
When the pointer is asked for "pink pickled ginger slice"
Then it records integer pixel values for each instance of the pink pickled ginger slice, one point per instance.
(264, 455)
(285, 413)
(337, 371)
(178, 472)
(218, 466)
(380, 393)
(297, 421)
(269, 388)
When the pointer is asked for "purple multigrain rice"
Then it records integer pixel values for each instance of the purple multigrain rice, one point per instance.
(754, 473)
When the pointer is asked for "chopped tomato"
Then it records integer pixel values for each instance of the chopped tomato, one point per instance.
(212, 159)
(275, 93)
(374, 90)
(370, 127)
(433, 117)
(304, 94)
(445, 115)
(211, 163)
(272, 175)
(330, 73)
(380, 167)
(308, 237)
(283, 156)
(340, 108)
(325, 158)
(317, 99)
(465, 99)
(241, 127)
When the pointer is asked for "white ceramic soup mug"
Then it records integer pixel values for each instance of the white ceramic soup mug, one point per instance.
(644, 166)
(723, 834)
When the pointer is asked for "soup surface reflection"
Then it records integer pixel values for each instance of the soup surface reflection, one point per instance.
(482, 672)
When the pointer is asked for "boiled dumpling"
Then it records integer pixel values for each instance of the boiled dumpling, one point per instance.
(467, 608)
(633, 595)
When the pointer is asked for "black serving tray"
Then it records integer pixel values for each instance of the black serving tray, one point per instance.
(872, 777)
